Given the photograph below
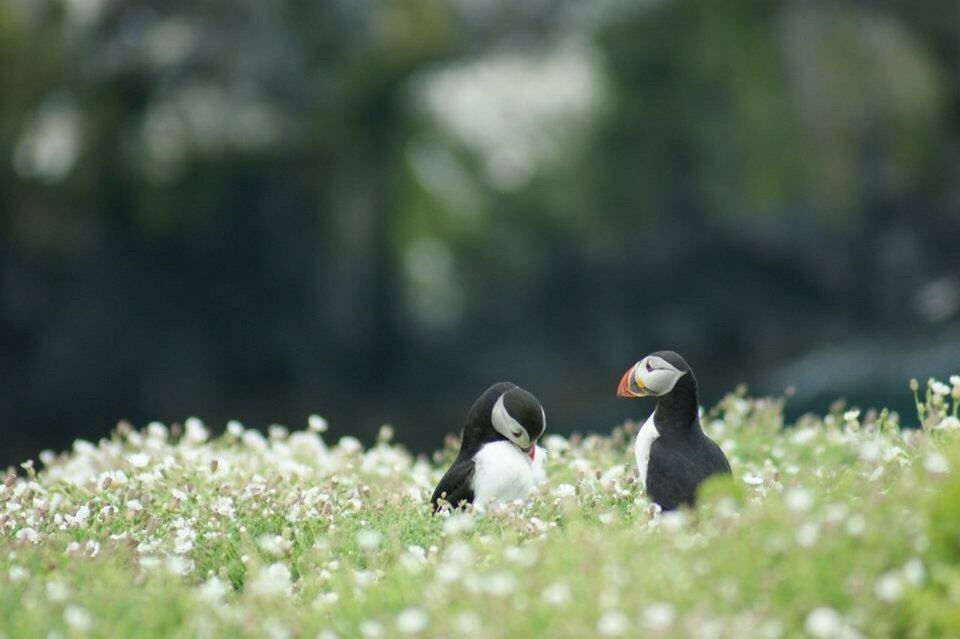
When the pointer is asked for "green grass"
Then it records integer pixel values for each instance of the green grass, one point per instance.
(841, 526)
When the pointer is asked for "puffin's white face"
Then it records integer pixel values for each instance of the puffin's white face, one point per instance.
(650, 376)
(506, 425)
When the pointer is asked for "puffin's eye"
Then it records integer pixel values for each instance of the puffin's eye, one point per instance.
(649, 368)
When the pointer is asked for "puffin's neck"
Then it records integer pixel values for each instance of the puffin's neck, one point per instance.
(679, 409)
(475, 437)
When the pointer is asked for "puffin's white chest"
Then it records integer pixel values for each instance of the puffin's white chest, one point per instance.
(501, 471)
(645, 438)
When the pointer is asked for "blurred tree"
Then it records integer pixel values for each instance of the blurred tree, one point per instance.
(375, 208)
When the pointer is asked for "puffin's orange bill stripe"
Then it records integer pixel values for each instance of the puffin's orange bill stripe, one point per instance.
(623, 390)
(628, 379)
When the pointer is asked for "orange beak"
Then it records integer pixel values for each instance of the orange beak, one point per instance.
(628, 380)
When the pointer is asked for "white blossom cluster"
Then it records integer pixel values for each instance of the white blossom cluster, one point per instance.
(824, 531)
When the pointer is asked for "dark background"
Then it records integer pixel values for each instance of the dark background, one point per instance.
(373, 210)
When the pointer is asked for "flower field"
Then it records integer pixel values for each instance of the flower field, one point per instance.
(845, 525)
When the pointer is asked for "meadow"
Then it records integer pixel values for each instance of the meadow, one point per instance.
(842, 525)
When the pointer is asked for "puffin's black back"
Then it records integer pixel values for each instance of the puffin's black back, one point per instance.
(679, 463)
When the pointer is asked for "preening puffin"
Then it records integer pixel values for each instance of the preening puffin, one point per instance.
(498, 457)
(673, 454)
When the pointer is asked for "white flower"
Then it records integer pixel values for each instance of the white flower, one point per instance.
(888, 588)
(556, 443)
(457, 523)
(500, 584)
(870, 450)
(948, 423)
(371, 629)
(272, 581)
(807, 534)
(609, 478)
(752, 480)
(413, 559)
(799, 499)
(448, 572)
(835, 513)
(273, 545)
(824, 623)
(369, 539)
(771, 629)
(77, 618)
(659, 616)
(139, 460)
(565, 490)
(612, 623)
(365, 578)
(212, 590)
(195, 431)
(468, 623)
(177, 565)
(418, 552)
(556, 594)
(253, 440)
(317, 424)
(801, 436)
(57, 591)
(851, 415)
(183, 540)
(939, 388)
(134, 505)
(81, 516)
(672, 521)
(17, 573)
(411, 621)
(936, 464)
(327, 598)
(914, 573)
(274, 629)
(224, 506)
(29, 534)
(350, 444)
(955, 380)
(234, 428)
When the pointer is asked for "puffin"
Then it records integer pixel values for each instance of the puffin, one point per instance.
(674, 456)
(499, 459)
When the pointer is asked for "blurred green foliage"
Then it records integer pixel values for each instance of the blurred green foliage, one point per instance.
(234, 207)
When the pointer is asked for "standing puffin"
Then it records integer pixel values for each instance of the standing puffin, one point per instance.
(498, 457)
(673, 454)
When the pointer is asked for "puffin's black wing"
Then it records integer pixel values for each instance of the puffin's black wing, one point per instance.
(714, 459)
(457, 483)
(675, 471)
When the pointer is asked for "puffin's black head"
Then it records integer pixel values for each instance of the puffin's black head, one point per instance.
(656, 374)
(505, 411)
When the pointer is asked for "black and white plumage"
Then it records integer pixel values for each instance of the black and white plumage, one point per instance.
(499, 459)
(674, 456)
